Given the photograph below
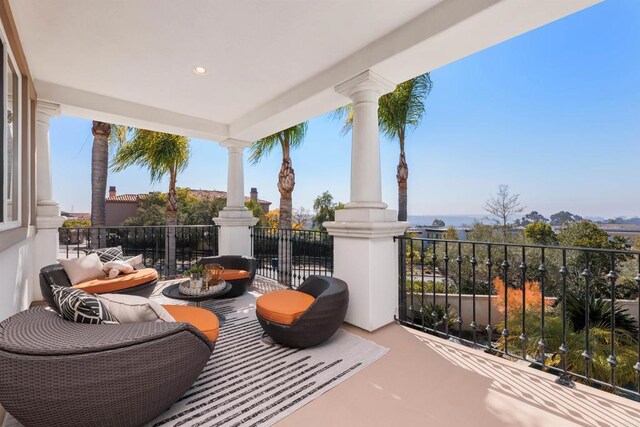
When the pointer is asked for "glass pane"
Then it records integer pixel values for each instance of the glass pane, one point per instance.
(12, 159)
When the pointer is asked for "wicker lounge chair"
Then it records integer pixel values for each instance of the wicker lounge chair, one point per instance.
(235, 262)
(56, 372)
(316, 324)
(55, 275)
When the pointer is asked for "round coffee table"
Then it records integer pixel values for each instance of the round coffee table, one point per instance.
(173, 292)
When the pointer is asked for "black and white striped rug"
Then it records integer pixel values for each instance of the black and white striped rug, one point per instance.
(248, 382)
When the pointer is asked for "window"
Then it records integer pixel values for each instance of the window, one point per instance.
(10, 150)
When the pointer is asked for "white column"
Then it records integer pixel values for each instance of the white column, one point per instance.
(48, 218)
(365, 254)
(45, 111)
(235, 177)
(234, 236)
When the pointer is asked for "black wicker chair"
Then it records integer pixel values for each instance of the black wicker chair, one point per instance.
(320, 321)
(54, 372)
(55, 275)
(236, 262)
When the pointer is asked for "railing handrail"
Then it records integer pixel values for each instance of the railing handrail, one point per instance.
(256, 227)
(522, 245)
(102, 227)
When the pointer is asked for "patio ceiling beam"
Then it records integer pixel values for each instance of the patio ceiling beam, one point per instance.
(445, 33)
(93, 106)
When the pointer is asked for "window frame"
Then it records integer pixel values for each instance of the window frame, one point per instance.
(9, 62)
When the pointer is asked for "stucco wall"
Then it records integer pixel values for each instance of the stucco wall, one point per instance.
(117, 213)
(17, 279)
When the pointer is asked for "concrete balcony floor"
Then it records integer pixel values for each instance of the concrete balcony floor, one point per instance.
(425, 380)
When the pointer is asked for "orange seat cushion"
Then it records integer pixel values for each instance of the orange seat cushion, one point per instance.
(284, 306)
(202, 319)
(123, 281)
(231, 274)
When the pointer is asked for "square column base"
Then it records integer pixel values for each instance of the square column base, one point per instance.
(234, 234)
(365, 256)
(46, 247)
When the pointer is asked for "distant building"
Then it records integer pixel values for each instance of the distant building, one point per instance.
(423, 232)
(76, 215)
(626, 231)
(121, 207)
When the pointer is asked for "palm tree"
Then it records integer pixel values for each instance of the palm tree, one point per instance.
(162, 154)
(287, 139)
(398, 112)
(99, 169)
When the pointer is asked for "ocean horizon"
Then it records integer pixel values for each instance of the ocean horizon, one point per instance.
(449, 220)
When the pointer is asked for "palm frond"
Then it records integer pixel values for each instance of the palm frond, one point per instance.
(344, 113)
(293, 136)
(262, 147)
(158, 152)
(118, 136)
(397, 111)
(404, 108)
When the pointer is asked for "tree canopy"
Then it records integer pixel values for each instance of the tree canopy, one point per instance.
(503, 206)
(540, 233)
(325, 210)
(193, 210)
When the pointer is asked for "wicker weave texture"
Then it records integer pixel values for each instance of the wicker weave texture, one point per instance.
(321, 320)
(124, 376)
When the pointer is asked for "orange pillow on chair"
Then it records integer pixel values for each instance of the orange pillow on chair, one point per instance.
(284, 306)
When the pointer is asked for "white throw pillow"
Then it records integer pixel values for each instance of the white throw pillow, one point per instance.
(113, 268)
(135, 260)
(83, 268)
(134, 309)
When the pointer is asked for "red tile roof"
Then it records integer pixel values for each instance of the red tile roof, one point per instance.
(126, 198)
(203, 194)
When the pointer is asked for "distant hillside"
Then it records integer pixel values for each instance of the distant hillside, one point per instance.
(449, 220)
(619, 220)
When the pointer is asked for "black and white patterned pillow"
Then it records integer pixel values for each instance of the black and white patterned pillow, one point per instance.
(107, 254)
(137, 262)
(80, 306)
(115, 254)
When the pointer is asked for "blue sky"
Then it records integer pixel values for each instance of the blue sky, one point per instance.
(554, 113)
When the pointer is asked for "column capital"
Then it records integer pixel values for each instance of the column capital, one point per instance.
(46, 110)
(235, 143)
(366, 81)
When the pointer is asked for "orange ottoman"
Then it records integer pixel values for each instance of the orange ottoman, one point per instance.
(201, 319)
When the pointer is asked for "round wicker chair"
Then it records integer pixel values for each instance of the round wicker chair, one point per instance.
(55, 275)
(320, 321)
(236, 262)
(54, 372)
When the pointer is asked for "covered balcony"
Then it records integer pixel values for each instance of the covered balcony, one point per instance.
(235, 72)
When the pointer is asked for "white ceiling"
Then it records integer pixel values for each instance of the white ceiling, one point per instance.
(270, 63)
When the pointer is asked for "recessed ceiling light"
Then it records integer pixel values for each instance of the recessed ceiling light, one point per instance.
(200, 70)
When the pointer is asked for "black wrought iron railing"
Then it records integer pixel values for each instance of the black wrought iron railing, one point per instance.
(290, 256)
(170, 250)
(569, 311)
